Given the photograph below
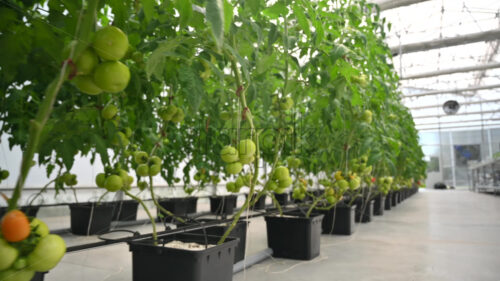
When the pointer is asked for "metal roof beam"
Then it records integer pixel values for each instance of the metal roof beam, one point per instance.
(454, 91)
(459, 121)
(489, 35)
(460, 113)
(490, 126)
(461, 103)
(452, 71)
(392, 4)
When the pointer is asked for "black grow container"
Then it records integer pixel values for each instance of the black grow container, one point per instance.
(282, 198)
(260, 204)
(125, 210)
(90, 218)
(39, 276)
(294, 236)
(239, 231)
(378, 205)
(223, 205)
(177, 206)
(192, 204)
(363, 210)
(394, 199)
(30, 211)
(339, 219)
(388, 201)
(159, 263)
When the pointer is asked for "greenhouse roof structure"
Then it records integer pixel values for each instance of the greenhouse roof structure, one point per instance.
(447, 50)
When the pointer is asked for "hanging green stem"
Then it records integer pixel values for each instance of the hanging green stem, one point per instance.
(153, 223)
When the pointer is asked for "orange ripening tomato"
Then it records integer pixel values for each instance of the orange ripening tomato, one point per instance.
(15, 226)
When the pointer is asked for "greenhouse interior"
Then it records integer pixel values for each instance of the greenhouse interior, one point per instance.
(219, 140)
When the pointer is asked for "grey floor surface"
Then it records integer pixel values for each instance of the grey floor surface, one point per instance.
(435, 235)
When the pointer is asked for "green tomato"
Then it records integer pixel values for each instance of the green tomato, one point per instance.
(286, 103)
(128, 132)
(155, 160)
(120, 139)
(4, 174)
(100, 180)
(142, 185)
(281, 173)
(279, 190)
(41, 229)
(271, 185)
(167, 112)
(109, 111)
(8, 256)
(229, 154)
(234, 168)
(154, 170)
(178, 116)
(86, 62)
(110, 43)
(86, 85)
(284, 183)
(225, 115)
(231, 186)
(47, 253)
(127, 180)
(20, 263)
(112, 76)
(141, 157)
(367, 116)
(331, 199)
(246, 147)
(343, 184)
(142, 170)
(17, 275)
(246, 159)
(239, 182)
(113, 183)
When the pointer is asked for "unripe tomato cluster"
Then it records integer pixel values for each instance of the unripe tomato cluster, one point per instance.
(367, 116)
(147, 166)
(171, 113)
(352, 182)
(98, 67)
(241, 181)
(121, 138)
(236, 158)
(27, 247)
(66, 179)
(281, 104)
(114, 179)
(293, 162)
(384, 184)
(280, 180)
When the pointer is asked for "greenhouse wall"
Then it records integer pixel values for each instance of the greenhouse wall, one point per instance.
(449, 153)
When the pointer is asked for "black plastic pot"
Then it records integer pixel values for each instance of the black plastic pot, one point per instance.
(177, 206)
(239, 231)
(339, 220)
(158, 263)
(39, 276)
(294, 237)
(30, 211)
(260, 204)
(379, 205)
(192, 203)
(363, 210)
(125, 210)
(394, 199)
(399, 196)
(282, 198)
(388, 201)
(223, 205)
(90, 218)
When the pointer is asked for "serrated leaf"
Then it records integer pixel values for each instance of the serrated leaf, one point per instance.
(156, 62)
(192, 86)
(264, 63)
(215, 15)
(185, 8)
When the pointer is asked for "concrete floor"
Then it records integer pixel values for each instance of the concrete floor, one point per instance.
(434, 235)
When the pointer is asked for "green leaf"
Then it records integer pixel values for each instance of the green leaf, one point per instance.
(192, 86)
(276, 10)
(148, 7)
(228, 15)
(215, 15)
(185, 9)
(156, 62)
(264, 63)
(301, 18)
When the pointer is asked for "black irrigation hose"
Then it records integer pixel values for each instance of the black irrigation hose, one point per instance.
(169, 232)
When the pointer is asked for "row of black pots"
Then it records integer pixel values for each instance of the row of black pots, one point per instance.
(30, 211)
